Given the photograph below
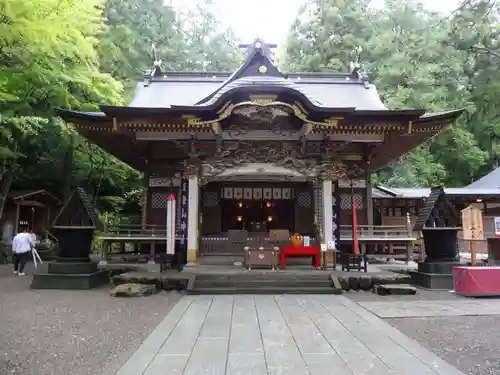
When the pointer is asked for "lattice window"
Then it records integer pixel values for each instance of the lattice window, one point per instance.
(345, 201)
(210, 199)
(318, 208)
(159, 200)
(304, 199)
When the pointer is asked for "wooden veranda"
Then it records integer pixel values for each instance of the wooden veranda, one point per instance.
(146, 243)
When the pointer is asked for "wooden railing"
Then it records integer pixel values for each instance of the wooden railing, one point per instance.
(138, 230)
(345, 231)
(377, 231)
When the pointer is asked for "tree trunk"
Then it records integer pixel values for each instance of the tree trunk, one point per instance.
(68, 170)
(6, 174)
(5, 182)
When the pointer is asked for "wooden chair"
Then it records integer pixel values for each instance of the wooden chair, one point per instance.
(352, 261)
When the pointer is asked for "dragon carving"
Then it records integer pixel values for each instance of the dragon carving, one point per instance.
(245, 153)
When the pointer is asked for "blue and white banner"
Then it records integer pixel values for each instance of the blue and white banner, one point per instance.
(184, 213)
(336, 214)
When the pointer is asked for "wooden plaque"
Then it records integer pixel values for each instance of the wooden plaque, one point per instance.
(472, 223)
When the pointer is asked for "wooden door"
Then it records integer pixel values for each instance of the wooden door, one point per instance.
(211, 210)
(304, 210)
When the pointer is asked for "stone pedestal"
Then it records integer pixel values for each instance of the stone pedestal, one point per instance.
(441, 255)
(73, 268)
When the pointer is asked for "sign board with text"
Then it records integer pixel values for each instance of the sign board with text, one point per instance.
(472, 223)
(497, 226)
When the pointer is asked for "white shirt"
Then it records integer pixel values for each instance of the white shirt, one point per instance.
(22, 243)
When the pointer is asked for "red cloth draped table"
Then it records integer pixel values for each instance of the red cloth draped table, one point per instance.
(476, 281)
(300, 251)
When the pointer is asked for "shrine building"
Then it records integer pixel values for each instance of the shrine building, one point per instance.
(257, 149)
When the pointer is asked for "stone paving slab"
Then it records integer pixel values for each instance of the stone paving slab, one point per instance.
(279, 335)
(413, 309)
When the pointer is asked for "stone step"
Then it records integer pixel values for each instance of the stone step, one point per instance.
(269, 276)
(262, 283)
(69, 281)
(395, 289)
(264, 290)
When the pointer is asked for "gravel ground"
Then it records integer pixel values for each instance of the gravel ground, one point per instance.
(470, 343)
(54, 332)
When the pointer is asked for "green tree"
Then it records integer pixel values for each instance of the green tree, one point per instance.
(209, 45)
(326, 35)
(408, 52)
(475, 32)
(48, 59)
(132, 28)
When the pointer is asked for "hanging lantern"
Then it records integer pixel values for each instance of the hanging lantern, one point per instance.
(268, 204)
(269, 218)
(297, 240)
(240, 204)
(240, 218)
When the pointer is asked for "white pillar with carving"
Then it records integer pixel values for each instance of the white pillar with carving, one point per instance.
(193, 219)
(327, 211)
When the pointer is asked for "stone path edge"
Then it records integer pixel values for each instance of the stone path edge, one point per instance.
(138, 363)
(426, 356)
(147, 351)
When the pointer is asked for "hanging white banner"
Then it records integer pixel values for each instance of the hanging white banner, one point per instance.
(171, 225)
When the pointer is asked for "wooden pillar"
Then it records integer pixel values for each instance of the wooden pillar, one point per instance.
(193, 219)
(327, 211)
(152, 248)
(144, 208)
(16, 224)
(369, 199)
(104, 253)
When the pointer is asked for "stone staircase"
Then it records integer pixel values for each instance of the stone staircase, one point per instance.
(267, 283)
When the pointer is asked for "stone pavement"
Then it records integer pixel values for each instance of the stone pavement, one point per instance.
(420, 309)
(286, 335)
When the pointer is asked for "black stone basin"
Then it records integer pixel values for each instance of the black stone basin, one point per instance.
(440, 244)
(74, 243)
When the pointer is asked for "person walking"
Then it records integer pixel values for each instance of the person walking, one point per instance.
(22, 245)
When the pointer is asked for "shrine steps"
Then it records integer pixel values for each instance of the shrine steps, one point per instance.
(263, 284)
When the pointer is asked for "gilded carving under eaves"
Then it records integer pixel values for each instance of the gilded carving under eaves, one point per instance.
(297, 111)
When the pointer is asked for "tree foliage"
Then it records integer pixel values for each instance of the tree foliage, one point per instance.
(79, 54)
(209, 45)
(417, 59)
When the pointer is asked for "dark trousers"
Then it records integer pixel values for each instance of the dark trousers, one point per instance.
(20, 261)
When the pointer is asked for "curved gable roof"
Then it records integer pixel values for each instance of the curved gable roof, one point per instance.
(329, 90)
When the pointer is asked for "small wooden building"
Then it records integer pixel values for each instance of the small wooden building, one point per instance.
(30, 208)
(392, 204)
